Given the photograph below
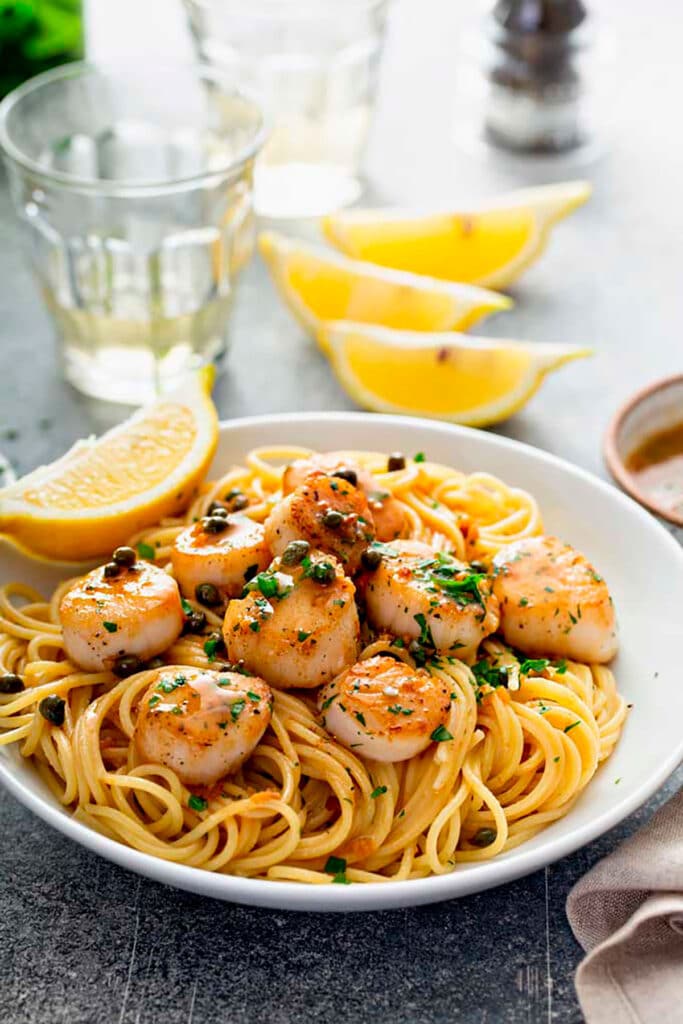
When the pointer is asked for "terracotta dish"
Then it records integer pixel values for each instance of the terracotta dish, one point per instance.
(643, 448)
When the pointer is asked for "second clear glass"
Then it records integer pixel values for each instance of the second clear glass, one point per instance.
(133, 185)
(312, 64)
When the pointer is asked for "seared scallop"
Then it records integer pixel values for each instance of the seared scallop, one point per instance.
(430, 598)
(298, 625)
(120, 610)
(328, 512)
(553, 602)
(387, 512)
(221, 550)
(385, 710)
(201, 724)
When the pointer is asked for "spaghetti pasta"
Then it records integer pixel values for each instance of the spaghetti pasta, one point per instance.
(305, 808)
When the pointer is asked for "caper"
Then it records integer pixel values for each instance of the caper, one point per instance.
(396, 460)
(238, 499)
(371, 558)
(332, 518)
(127, 665)
(215, 643)
(195, 622)
(295, 552)
(214, 524)
(349, 475)
(322, 572)
(484, 837)
(10, 682)
(110, 570)
(216, 509)
(207, 594)
(125, 557)
(52, 709)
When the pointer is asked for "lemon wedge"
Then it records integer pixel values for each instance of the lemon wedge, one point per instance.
(449, 376)
(318, 284)
(99, 493)
(488, 246)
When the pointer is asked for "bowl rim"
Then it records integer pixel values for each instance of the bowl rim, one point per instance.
(282, 895)
(614, 461)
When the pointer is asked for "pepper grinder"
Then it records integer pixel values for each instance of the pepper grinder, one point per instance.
(537, 76)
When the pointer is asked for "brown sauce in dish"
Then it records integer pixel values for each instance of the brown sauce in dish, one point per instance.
(657, 468)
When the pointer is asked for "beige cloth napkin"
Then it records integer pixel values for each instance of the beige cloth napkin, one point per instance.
(627, 913)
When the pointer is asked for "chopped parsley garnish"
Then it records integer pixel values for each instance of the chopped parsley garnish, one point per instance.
(384, 549)
(441, 734)
(561, 667)
(154, 700)
(326, 703)
(465, 590)
(111, 627)
(398, 709)
(487, 674)
(523, 602)
(360, 717)
(336, 866)
(339, 601)
(169, 685)
(398, 642)
(146, 551)
(569, 728)
(302, 635)
(254, 626)
(270, 584)
(419, 457)
(379, 791)
(186, 606)
(321, 572)
(425, 638)
(197, 803)
(211, 646)
(533, 665)
(253, 696)
(237, 709)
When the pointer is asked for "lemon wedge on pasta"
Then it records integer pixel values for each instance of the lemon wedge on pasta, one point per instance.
(99, 493)
(319, 284)
(489, 245)
(450, 376)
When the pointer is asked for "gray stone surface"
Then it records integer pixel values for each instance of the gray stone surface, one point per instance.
(86, 943)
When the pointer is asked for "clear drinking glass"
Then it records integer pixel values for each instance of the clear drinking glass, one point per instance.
(312, 64)
(134, 187)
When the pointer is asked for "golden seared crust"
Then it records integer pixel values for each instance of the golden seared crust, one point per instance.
(432, 599)
(225, 559)
(202, 724)
(136, 612)
(303, 635)
(553, 601)
(305, 514)
(385, 709)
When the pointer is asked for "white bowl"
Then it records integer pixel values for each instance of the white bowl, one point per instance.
(644, 568)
